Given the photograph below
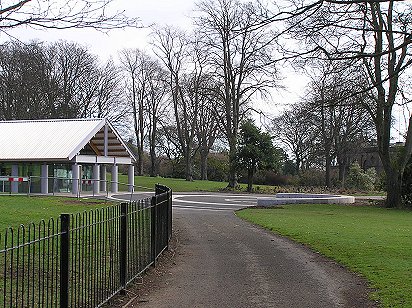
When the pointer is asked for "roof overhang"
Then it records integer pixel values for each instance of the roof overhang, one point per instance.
(72, 140)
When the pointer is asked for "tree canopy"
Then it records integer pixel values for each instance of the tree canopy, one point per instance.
(256, 151)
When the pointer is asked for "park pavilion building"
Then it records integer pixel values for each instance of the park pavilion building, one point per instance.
(65, 155)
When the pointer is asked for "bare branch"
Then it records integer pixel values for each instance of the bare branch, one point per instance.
(53, 14)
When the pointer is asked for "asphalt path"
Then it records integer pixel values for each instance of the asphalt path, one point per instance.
(223, 261)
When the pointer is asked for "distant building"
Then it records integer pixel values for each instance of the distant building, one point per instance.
(64, 155)
(368, 157)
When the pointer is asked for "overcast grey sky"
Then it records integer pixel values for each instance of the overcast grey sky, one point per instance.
(161, 12)
(175, 12)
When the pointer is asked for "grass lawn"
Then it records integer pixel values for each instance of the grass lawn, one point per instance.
(375, 242)
(16, 210)
(29, 271)
(179, 185)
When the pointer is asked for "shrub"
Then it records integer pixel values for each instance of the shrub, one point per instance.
(217, 167)
(380, 184)
(361, 180)
(311, 177)
(266, 177)
(275, 179)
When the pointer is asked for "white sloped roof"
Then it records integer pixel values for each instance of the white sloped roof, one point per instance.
(50, 140)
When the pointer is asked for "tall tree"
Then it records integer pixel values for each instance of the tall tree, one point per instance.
(207, 128)
(337, 118)
(156, 110)
(256, 151)
(58, 80)
(377, 36)
(203, 92)
(105, 98)
(240, 55)
(74, 68)
(174, 51)
(324, 114)
(294, 129)
(28, 90)
(135, 64)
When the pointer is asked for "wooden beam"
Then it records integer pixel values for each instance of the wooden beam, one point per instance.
(95, 148)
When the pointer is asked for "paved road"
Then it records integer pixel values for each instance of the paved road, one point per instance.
(223, 261)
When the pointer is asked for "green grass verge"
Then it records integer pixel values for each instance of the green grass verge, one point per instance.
(179, 185)
(16, 210)
(375, 242)
(28, 272)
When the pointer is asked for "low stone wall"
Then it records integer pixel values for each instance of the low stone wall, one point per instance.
(298, 198)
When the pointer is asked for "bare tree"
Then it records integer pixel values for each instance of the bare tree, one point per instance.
(329, 120)
(104, 96)
(74, 67)
(63, 14)
(135, 65)
(207, 128)
(203, 94)
(294, 129)
(173, 49)
(337, 116)
(239, 54)
(377, 36)
(156, 110)
(28, 90)
(61, 80)
(324, 116)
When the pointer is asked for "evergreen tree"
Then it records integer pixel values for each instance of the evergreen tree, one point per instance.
(256, 151)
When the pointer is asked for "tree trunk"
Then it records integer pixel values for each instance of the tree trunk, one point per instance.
(153, 162)
(152, 147)
(298, 163)
(203, 164)
(342, 174)
(139, 160)
(327, 172)
(249, 179)
(140, 146)
(232, 163)
(136, 128)
(189, 168)
(393, 189)
(342, 163)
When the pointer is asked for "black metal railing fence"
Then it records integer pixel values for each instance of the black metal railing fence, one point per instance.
(84, 259)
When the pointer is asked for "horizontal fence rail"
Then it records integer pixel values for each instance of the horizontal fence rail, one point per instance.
(84, 259)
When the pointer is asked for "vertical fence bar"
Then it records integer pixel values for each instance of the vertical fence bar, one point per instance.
(153, 229)
(123, 247)
(169, 200)
(64, 260)
(52, 268)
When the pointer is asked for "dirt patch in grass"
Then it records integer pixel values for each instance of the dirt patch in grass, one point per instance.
(376, 203)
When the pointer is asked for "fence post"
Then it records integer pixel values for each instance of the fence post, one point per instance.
(123, 247)
(170, 194)
(159, 189)
(29, 186)
(153, 229)
(64, 260)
